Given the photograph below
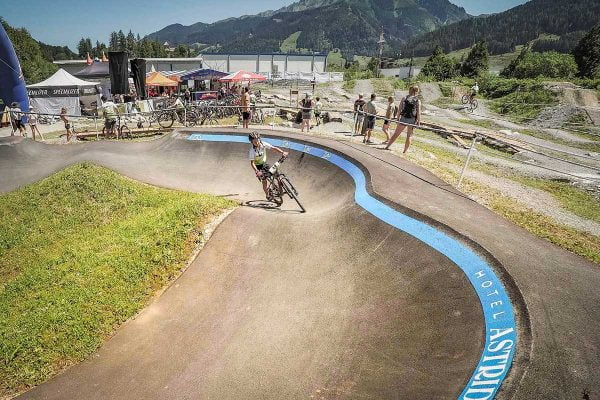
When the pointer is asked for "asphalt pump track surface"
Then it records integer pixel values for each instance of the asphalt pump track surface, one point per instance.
(393, 285)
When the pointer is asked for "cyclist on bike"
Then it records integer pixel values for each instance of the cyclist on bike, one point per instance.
(474, 91)
(258, 158)
(179, 107)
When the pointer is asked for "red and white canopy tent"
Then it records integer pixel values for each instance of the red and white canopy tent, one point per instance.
(243, 76)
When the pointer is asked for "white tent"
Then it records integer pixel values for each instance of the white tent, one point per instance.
(62, 90)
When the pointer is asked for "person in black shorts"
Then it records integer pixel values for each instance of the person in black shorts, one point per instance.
(246, 108)
(16, 116)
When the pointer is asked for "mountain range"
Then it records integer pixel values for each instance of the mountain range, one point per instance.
(353, 26)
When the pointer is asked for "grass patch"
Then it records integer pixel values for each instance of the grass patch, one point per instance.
(445, 102)
(290, 43)
(482, 123)
(386, 86)
(80, 253)
(594, 147)
(571, 198)
(349, 85)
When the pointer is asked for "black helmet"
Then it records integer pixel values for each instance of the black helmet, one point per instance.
(254, 135)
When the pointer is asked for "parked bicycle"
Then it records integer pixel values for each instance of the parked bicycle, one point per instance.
(279, 185)
(167, 118)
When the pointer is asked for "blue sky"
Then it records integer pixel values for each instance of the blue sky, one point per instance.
(61, 22)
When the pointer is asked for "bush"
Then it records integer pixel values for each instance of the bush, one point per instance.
(439, 67)
(550, 64)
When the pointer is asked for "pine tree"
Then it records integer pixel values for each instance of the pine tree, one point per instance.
(439, 66)
(122, 41)
(113, 42)
(130, 42)
(587, 54)
(477, 61)
(81, 48)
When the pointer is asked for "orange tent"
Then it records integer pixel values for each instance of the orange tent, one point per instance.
(158, 79)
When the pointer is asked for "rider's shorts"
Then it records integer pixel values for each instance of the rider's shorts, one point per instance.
(109, 123)
(265, 169)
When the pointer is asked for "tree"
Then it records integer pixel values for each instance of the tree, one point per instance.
(130, 42)
(549, 64)
(439, 66)
(113, 42)
(122, 41)
(587, 54)
(81, 48)
(35, 68)
(477, 62)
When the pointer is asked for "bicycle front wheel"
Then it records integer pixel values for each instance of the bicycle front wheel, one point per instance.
(290, 190)
(166, 120)
(465, 99)
(474, 105)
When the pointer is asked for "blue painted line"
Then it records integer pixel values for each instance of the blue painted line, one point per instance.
(500, 325)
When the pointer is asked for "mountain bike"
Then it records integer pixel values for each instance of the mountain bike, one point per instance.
(279, 185)
(470, 100)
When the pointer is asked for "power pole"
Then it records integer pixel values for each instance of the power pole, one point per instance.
(380, 43)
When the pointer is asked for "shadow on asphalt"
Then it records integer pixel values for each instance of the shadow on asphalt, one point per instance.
(269, 206)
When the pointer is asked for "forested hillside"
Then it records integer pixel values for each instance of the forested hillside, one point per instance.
(516, 26)
(353, 26)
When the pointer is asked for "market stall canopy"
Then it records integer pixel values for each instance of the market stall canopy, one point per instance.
(158, 79)
(94, 71)
(62, 78)
(202, 75)
(61, 90)
(243, 76)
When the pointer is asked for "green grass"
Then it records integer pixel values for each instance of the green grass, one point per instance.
(349, 85)
(570, 197)
(80, 253)
(290, 43)
(595, 147)
(335, 61)
(482, 123)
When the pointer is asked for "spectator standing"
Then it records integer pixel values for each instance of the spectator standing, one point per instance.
(307, 111)
(410, 116)
(371, 111)
(188, 96)
(246, 108)
(32, 120)
(16, 116)
(390, 113)
(358, 113)
(318, 109)
(109, 111)
(65, 118)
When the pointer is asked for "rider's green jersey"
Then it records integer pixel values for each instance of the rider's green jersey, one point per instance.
(259, 154)
(110, 111)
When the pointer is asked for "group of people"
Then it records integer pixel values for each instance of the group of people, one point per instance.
(407, 115)
(15, 117)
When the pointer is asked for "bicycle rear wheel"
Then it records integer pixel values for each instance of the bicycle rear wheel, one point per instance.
(124, 132)
(290, 190)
